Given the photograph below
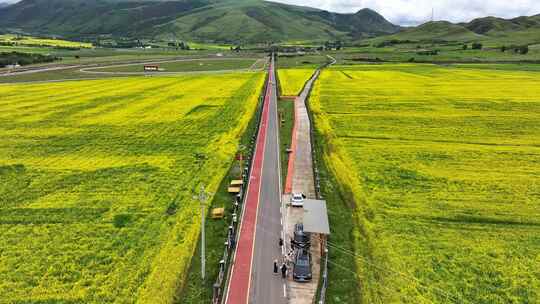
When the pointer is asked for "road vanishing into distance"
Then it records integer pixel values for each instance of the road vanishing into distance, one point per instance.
(252, 279)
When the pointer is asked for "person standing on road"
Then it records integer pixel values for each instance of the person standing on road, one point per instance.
(284, 270)
(276, 268)
(280, 242)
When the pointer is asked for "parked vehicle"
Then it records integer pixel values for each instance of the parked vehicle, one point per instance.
(302, 266)
(301, 239)
(297, 200)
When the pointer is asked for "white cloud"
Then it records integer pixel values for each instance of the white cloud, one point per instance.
(406, 12)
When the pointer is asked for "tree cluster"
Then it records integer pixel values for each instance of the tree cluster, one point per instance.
(477, 46)
(428, 53)
(236, 48)
(180, 45)
(333, 45)
(12, 58)
(522, 49)
(393, 42)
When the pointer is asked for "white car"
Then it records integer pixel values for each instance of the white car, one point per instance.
(297, 200)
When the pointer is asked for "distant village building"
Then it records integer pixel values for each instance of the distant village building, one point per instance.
(151, 68)
(13, 66)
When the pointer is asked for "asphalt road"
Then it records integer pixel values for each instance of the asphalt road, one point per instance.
(265, 286)
(252, 279)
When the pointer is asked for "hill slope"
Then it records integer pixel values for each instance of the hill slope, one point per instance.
(498, 31)
(491, 30)
(438, 30)
(493, 25)
(201, 20)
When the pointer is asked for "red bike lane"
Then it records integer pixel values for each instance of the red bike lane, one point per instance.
(238, 289)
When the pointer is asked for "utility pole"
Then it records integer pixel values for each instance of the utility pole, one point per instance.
(241, 157)
(202, 200)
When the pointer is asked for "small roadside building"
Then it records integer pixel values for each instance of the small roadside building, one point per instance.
(316, 222)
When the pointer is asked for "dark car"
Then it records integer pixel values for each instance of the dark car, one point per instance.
(301, 238)
(302, 266)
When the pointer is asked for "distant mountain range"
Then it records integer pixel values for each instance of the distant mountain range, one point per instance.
(499, 31)
(242, 21)
(233, 21)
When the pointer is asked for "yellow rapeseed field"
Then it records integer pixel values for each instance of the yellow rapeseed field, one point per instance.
(443, 165)
(34, 41)
(97, 180)
(292, 80)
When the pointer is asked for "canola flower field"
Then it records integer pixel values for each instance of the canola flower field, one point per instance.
(97, 181)
(442, 165)
(47, 42)
(292, 80)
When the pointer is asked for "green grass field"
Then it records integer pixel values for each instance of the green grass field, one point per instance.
(26, 49)
(97, 179)
(188, 66)
(119, 56)
(441, 165)
(286, 117)
(307, 61)
(56, 75)
(448, 52)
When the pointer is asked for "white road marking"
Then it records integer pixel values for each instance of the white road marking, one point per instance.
(284, 291)
(252, 178)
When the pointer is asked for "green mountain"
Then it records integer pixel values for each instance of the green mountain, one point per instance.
(237, 21)
(491, 31)
(517, 31)
(494, 25)
(437, 30)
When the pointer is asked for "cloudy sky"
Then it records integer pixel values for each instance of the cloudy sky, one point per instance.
(412, 12)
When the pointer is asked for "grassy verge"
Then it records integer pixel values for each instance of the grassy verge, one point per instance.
(286, 116)
(197, 290)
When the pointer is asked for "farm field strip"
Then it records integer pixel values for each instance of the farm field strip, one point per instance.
(41, 42)
(180, 65)
(96, 182)
(442, 164)
(259, 64)
(76, 94)
(292, 80)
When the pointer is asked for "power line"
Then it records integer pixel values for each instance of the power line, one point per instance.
(407, 276)
(387, 288)
(455, 298)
